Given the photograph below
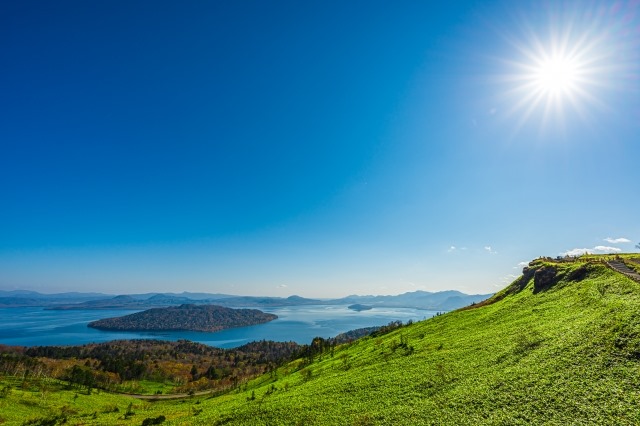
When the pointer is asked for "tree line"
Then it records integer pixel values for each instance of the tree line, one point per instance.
(189, 366)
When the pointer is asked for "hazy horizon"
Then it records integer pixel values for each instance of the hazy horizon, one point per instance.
(317, 149)
(229, 294)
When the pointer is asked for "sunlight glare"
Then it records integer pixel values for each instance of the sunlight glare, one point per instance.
(556, 75)
(562, 68)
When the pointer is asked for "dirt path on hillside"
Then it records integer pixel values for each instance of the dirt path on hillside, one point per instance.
(620, 267)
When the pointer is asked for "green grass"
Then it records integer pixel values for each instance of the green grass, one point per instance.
(555, 357)
(39, 402)
(147, 387)
(569, 354)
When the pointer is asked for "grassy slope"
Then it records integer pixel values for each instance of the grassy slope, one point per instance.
(37, 403)
(563, 356)
(567, 355)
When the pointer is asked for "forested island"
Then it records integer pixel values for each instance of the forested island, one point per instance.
(185, 317)
(359, 307)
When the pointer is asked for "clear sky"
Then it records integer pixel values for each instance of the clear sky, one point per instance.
(319, 148)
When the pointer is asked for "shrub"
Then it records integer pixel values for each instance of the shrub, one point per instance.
(526, 342)
(45, 421)
(113, 408)
(153, 421)
(5, 391)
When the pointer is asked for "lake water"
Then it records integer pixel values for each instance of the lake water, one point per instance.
(39, 327)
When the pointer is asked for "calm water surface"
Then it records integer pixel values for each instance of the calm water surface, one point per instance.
(39, 327)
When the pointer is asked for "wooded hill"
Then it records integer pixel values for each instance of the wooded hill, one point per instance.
(180, 366)
(146, 366)
(185, 318)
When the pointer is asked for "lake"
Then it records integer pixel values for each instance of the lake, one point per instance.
(40, 327)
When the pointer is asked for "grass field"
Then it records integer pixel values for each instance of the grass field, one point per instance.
(565, 354)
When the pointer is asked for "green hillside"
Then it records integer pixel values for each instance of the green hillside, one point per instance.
(560, 345)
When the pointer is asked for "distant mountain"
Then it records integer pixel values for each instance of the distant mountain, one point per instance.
(162, 300)
(119, 302)
(19, 302)
(253, 301)
(437, 301)
(25, 298)
(201, 296)
(167, 299)
(186, 295)
(53, 296)
(19, 293)
(185, 318)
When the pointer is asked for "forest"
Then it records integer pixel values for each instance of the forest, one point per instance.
(154, 366)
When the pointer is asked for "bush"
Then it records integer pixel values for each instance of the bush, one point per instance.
(129, 411)
(113, 408)
(5, 391)
(153, 420)
(526, 342)
(45, 421)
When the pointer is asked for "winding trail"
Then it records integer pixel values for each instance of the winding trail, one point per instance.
(620, 267)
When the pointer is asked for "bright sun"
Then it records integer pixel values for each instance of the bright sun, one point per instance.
(551, 78)
(555, 78)
(556, 75)
(557, 72)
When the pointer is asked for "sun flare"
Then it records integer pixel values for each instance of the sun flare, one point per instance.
(556, 75)
(560, 69)
(552, 80)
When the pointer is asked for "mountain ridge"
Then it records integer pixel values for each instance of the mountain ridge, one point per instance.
(437, 301)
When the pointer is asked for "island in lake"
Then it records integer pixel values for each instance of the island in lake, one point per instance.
(185, 317)
(359, 307)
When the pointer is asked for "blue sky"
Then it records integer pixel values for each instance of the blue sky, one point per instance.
(312, 148)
